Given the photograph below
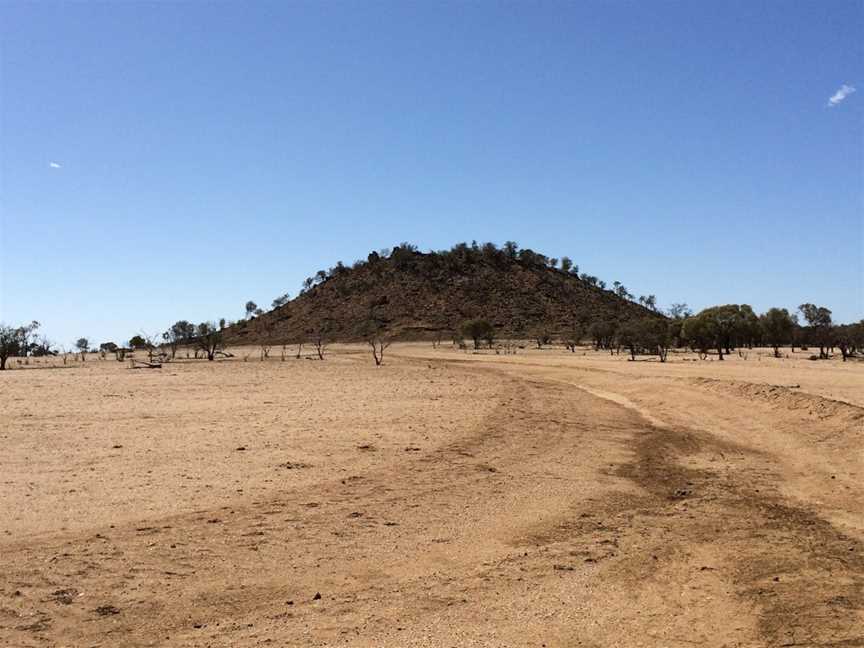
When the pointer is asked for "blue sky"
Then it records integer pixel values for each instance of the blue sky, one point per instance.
(206, 154)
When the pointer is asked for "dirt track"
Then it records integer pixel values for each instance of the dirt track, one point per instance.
(442, 500)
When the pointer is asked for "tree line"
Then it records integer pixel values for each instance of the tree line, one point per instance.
(717, 329)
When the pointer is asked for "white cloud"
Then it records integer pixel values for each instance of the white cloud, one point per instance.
(55, 165)
(844, 91)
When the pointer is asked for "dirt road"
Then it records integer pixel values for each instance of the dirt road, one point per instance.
(544, 499)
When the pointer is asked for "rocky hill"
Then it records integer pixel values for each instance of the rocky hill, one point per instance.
(415, 296)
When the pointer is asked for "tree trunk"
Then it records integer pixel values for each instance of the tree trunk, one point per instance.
(2, 363)
(776, 351)
(719, 351)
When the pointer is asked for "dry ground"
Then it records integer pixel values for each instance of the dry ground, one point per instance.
(445, 499)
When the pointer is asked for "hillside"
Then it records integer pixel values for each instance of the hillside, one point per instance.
(418, 296)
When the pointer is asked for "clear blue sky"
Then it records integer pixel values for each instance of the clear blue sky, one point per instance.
(206, 154)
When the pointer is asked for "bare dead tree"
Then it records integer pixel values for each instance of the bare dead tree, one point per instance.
(320, 336)
(573, 337)
(153, 346)
(320, 344)
(378, 344)
(265, 337)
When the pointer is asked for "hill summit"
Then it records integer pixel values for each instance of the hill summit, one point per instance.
(415, 296)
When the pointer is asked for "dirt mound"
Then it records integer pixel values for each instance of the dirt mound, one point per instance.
(417, 296)
(789, 398)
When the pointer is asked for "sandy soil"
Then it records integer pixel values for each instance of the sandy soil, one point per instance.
(445, 499)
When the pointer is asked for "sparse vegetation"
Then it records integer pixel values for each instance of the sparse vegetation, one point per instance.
(518, 289)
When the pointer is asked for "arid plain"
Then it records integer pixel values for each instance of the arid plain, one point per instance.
(446, 498)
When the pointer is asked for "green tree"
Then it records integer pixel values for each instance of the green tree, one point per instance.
(819, 320)
(20, 341)
(648, 335)
(629, 335)
(749, 330)
(603, 334)
(621, 291)
(715, 327)
(10, 344)
(477, 330)
(649, 302)
(850, 338)
(281, 301)
(679, 310)
(655, 336)
(137, 342)
(777, 328)
(698, 333)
